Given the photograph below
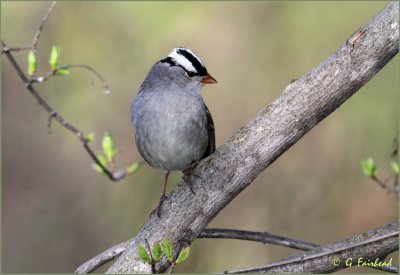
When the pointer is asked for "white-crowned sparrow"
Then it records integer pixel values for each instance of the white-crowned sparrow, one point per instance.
(173, 127)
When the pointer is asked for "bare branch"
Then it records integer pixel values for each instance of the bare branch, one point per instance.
(35, 41)
(60, 119)
(266, 237)
(29, 82)
(375, 243)
(101, 259)
(39, 30)
(393, 187)
(262, 237)
(120, 174)
(106, 88)
(49, 74)
(302, 105)
(153, 267)
(16, 49)
(391, 269)
(395, 150)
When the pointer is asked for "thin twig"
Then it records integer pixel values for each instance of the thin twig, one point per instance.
(39, 99)
(41, 79)
(112, 175)
(35, 41)
(49, 122)
(266, 237)
(153, 266)
(326, 254)
(39, 30)
(49, 74)
(390, 187)
(16, 49)
(54, 115)
(395, 150)
(118, 176)
(172, 267)
(263, 237)
(391, 269)
(101, 259)
(6, 51)
(173, 262)
(106, 88)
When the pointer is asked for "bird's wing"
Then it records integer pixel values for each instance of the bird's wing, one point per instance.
(211, 134)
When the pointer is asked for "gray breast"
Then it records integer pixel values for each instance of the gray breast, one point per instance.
(170, 128)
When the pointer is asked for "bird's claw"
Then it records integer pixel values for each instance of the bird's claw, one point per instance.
(188, 174)
(157, 210)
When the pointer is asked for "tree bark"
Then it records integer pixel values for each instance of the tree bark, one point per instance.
(302, 105)
(357, 251)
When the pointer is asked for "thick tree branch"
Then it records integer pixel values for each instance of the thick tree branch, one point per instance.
(263, 237)
(373, 244)
(303, 104)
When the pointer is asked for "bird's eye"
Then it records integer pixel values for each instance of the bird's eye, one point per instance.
(190, 74)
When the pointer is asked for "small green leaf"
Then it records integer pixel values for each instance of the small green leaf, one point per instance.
(62, 72)
(108, 146)
(96, 167)
(90, 137)
(133, 168)
(368, 167)
(183, 255)
(102, 160)
(395, 167)
(167, 248)
(157, 252)
(32, 63)
(143, 255)
(54, 59)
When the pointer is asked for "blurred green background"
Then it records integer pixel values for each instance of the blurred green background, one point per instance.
(57, 212)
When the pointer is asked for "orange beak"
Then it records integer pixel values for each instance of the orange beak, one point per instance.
(208, 79)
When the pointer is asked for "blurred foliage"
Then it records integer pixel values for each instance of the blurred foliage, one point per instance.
(32, 63)
(54, 59)
(368, 167)
(58, 213)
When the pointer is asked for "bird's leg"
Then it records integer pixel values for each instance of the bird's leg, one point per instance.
(162, 197)
(188, 174)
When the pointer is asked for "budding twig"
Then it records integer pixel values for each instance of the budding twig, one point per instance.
(29, 82)
(35, 41)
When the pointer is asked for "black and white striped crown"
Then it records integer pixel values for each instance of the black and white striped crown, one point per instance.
(187, 60)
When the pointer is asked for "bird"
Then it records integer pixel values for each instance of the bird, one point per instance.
(173, 127)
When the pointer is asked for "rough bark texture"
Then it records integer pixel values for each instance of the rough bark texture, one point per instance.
(375, 243)
(218, 233)
(303, 104)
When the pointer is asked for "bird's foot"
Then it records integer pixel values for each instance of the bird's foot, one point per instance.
(188, 174)
(157, 210)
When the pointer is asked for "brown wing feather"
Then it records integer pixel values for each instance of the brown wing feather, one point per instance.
(211, 134)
